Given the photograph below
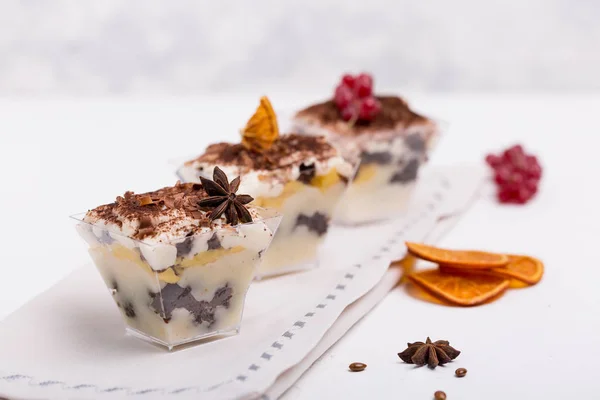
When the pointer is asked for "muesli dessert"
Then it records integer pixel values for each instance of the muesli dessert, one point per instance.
(390, 141)
(178, 261)
(302, 177)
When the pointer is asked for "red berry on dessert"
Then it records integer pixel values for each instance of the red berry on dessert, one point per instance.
(348, 112)
(348, 80)
(354, 98)
(516, 173)
(363, 85)
(369, 107)
(343, 96)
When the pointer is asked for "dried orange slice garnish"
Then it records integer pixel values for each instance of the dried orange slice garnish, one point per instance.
(523, 268)
(261, 129)
(458, 258)
(468, 289)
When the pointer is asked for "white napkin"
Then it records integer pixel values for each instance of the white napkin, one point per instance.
(69, 342)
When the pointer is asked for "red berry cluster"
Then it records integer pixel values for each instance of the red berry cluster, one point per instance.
(516, 174)
(354, 98)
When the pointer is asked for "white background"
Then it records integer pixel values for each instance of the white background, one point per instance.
(73, 47)
(63, 157)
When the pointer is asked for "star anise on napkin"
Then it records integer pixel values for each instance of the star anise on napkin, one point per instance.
(222, 198)
(431, 353)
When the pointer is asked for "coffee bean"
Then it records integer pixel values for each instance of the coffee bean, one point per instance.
(357, 367)
(439, 395)
(460, 372)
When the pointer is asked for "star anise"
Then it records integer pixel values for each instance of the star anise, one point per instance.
(222, 198)
(431, 353)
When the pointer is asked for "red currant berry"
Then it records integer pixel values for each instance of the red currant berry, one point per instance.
(512, 187)
(523, 194)
(363, 85)
(516, 149)
(533, 190)
(512, 154)
(516, 174)
(535, 171)
(516, 177)
(343, 96)
(349, 80)
(531, 160)
(503, 174)
(493, 160)
(504, 196)
(531, 184)
(369, 107)
(517, 159)
(348, 112)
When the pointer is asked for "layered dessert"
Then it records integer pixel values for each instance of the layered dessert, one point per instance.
(178, 261)
(303, 177)
(389, 140)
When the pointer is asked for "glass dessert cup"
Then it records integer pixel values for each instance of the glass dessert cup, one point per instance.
(307, 210)
(182, 291)
(389, 163)
(386, 179)
(307, 207)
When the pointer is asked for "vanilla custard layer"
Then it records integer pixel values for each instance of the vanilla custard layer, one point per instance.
(173, 274)
(382, 187)
(132, 282)
(295, 245)
(371, 197)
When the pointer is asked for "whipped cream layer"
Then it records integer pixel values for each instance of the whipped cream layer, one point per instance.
(265, 174)
(164, 224)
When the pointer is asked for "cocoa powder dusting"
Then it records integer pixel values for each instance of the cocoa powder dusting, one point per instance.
(287, 150)
(394, 111)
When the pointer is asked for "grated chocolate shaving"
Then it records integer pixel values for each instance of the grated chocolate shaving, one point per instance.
(157, 211)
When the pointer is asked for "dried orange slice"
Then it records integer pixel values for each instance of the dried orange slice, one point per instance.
(468, 289)
(523, 268)
(458, 258)
(261, 129)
